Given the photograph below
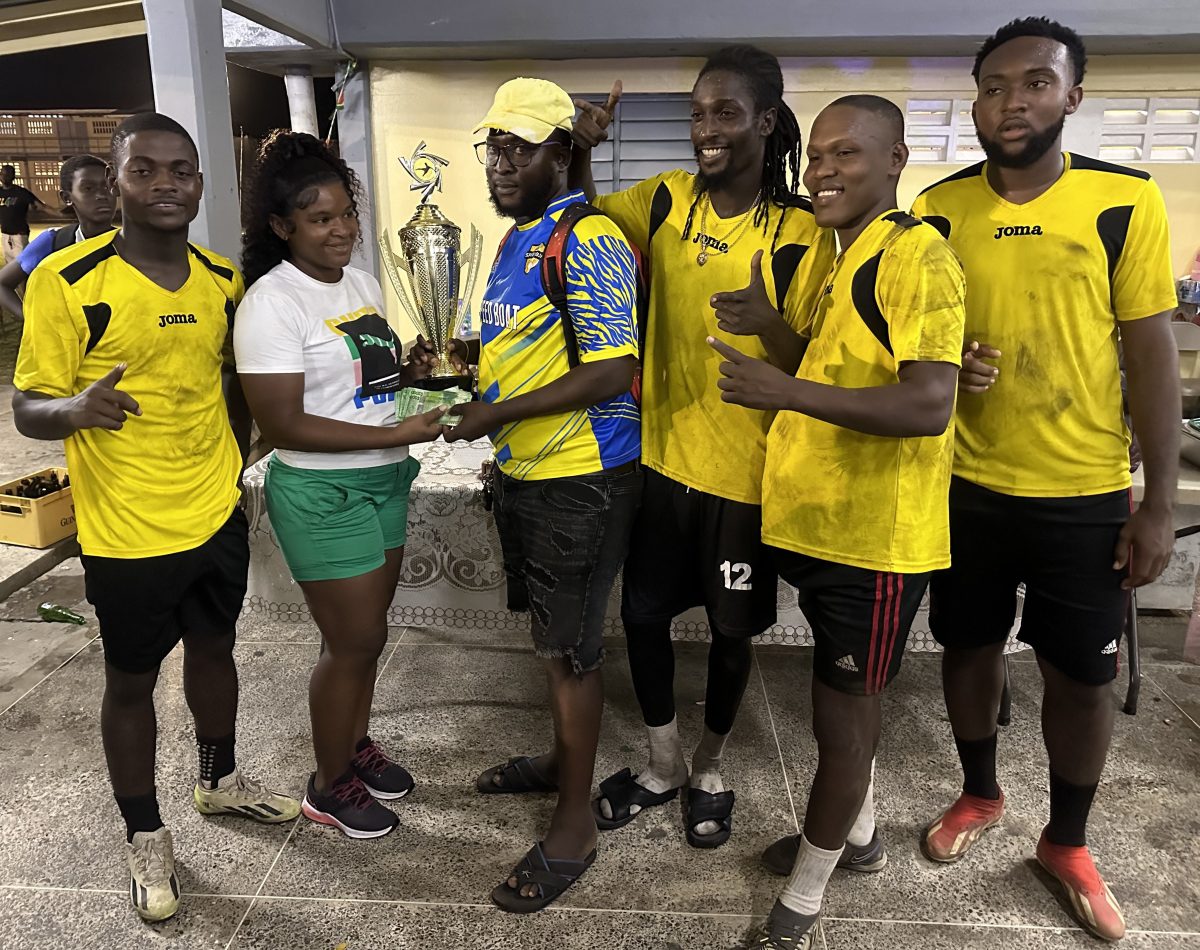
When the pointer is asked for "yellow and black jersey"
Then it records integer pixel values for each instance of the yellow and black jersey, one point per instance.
(1048, 284)
(895, 296)
(168, 479)
(688, 433)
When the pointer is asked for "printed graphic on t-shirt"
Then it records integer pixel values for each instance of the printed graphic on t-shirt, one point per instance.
(375, 349)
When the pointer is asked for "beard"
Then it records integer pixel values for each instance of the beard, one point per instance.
(1037, 145)
(713, 182)
(530, 203)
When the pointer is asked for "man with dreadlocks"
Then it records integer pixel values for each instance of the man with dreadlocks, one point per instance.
(738, 223)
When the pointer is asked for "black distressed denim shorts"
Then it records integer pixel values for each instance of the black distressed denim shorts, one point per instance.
(564, 540)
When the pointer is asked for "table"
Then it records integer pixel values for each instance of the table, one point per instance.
(452, 573)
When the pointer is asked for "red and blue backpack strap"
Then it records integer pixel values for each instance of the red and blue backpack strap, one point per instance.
(554, 270)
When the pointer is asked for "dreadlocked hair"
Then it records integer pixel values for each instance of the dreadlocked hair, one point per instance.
(781, 154)
(289, 168)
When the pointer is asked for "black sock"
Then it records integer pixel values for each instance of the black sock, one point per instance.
(978, 757)
(1069, 808)
(362, 744)
(140, 813)
(216, 759)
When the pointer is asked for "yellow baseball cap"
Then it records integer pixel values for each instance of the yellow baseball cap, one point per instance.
(530, 109)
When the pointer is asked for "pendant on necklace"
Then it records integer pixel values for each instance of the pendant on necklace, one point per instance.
(702, 258)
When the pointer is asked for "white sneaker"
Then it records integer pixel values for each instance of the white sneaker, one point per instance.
(153, 887)
(236, 794)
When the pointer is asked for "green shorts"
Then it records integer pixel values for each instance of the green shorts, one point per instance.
(337, 523)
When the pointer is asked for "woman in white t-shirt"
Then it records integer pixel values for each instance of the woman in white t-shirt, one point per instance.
(320, 367)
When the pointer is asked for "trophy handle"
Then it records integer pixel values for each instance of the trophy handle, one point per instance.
(471, 260)
(389, 264)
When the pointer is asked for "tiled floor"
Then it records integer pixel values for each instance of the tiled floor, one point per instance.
(453, 703)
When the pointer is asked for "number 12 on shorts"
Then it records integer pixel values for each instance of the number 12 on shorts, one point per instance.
(737, 576)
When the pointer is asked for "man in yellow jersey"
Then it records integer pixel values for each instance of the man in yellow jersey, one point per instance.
(727, 250)
(123, 357)
(858, 464)
(1065, 256)
(555, 399)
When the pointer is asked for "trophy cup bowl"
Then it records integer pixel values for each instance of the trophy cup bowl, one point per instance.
(426, 277)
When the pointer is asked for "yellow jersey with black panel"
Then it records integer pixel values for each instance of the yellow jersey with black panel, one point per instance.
(895, 296)
(523, 347)
(688, 433)
(1050, 281)
(168, 479)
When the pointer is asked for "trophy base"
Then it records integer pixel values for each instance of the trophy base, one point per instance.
(428, 394)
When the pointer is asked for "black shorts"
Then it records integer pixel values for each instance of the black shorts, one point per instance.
(145, 605)
(563, 540)
(692, 549)
(860, 619)
(1062, 550)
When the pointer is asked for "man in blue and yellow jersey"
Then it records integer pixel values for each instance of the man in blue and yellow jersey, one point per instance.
(727, 247)
(123, 357)
(556, 402)
(858, 466)
(1066, 260)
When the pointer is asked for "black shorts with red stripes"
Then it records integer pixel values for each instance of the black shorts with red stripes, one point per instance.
(860, 619)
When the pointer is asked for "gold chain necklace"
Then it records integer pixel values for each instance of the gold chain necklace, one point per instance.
(731, 237)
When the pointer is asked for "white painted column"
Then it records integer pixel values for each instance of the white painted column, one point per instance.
(354, 140)
(187, 62)
(302, 100)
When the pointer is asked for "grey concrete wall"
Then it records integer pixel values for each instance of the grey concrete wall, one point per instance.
(585, 28)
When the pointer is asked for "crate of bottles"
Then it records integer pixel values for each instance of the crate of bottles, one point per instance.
(37, 509)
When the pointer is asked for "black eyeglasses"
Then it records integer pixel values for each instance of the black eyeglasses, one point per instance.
(519, 154)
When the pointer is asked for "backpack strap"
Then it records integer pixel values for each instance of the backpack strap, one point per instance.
(554, 271)
(63, 237)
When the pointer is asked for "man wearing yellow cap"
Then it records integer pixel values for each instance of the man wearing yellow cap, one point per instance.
(554, 385)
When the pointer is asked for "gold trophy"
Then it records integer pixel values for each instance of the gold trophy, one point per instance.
(433, 262)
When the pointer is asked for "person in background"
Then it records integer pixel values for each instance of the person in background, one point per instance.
(15, 203)
(83, 188)
(319, 365)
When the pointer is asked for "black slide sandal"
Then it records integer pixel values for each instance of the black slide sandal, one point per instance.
(704, 806)
(519, 775)
(622, 790)
(552, 876)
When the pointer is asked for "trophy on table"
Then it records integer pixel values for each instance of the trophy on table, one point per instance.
(433, 262)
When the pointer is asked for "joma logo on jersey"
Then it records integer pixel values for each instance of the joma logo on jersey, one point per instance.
(1020, 230)
(534, 256)
(167, 319)
(721, 247)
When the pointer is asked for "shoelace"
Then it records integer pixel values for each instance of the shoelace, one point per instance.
(372, 759)
(354, 793)
(151, 862)
(248, 788)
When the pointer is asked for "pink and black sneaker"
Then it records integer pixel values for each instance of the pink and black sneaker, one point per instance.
(384, 777)
(348, 807)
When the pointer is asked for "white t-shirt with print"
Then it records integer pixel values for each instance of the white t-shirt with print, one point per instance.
(336, 336)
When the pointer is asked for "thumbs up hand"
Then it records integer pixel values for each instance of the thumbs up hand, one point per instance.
(591, 125)
(747, 312)
(102, 405)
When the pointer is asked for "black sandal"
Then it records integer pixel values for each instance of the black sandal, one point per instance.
(519, 775)
(551, 876)
(704, 806)
(622, 790)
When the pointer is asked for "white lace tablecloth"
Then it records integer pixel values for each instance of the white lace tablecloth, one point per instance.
(452, 572)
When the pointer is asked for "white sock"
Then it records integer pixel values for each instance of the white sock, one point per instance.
(706, 772)
(864, 825)
(805, 889)
(706, 762)
(666, 768)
